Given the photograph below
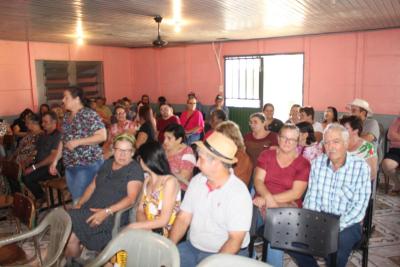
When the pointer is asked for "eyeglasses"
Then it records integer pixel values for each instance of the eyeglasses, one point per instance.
(288, 140)
(192, 103)
(122, 151)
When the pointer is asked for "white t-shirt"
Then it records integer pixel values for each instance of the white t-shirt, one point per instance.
(217, 212)
(318, 127)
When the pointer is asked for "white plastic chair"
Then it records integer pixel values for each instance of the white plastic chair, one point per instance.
(143, 248)
(59, 224)
(228, 260)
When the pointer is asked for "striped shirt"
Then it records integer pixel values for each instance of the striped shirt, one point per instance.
(344, 192)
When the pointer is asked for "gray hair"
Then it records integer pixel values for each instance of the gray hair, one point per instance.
(337, 127)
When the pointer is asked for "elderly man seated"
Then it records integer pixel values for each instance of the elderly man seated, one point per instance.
(339, 184)
(217, 206)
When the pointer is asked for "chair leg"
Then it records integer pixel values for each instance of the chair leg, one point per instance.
(251, 247)
(264, 251)
(333, 259)
(365, 256)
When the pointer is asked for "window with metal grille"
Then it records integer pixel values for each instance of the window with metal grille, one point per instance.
(252, 81)
(243, 76)
(58, 75)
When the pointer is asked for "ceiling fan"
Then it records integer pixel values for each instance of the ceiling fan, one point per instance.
(159, 42)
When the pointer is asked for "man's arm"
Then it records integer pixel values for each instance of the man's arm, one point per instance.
(180, 226)
(234, 242)
(362, 191)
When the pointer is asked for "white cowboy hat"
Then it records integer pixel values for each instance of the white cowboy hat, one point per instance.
(362, 104)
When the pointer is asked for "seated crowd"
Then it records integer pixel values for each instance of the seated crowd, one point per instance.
(198, 187)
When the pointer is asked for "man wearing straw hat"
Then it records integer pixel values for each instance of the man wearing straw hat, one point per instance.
(217, 206)
(360, 108)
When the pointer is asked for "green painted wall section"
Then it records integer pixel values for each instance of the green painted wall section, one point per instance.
(241, 117)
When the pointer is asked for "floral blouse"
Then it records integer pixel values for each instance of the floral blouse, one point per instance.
(84, 124)
(127, 126)
(26, 151)
(310, 152)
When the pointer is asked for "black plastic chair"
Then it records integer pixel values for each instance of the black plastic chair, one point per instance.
(363, 245)
(305, 231)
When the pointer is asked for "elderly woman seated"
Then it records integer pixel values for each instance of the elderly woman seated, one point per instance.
(116, 186)
(161, 195)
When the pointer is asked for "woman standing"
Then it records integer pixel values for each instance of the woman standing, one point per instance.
(259, 138)
(161, 195)
(192, 121)
(116, 186)
(82, 131)
(180, 156)
(281, 178)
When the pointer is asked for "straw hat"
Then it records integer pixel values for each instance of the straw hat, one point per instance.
(219, 146)
(362, 104)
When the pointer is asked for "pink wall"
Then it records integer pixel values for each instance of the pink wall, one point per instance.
(18, 76)
(337, 68)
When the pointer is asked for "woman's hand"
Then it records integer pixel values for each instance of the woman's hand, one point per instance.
(97, 217)
(72, 144)
(259, 201)
(270, 202)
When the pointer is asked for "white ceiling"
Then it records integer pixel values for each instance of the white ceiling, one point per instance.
(131, 24)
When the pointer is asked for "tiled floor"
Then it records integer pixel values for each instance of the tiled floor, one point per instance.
(384, 244)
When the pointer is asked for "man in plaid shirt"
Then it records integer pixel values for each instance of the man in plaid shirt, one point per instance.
(339, 184)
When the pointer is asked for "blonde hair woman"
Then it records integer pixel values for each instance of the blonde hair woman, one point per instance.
(244, 167)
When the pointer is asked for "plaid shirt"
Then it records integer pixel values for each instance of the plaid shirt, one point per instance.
(343, 192)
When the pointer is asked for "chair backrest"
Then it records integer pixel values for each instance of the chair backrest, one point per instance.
(302, 230)
(228, 260)
(59, 223)
(11, 170)
(24, 210)
(143, 248)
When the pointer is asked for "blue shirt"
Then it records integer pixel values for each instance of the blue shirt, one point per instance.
(343, 192)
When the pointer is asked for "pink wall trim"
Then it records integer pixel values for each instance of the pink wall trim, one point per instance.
(337, 68)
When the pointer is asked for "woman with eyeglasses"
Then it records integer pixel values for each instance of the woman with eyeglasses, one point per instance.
(115, 187)
(281, 178)
(192, 121)
(161, 192)
(123, 125)
(259, 138)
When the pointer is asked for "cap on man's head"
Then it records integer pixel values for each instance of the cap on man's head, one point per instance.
(219, 146)
(362, 104)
